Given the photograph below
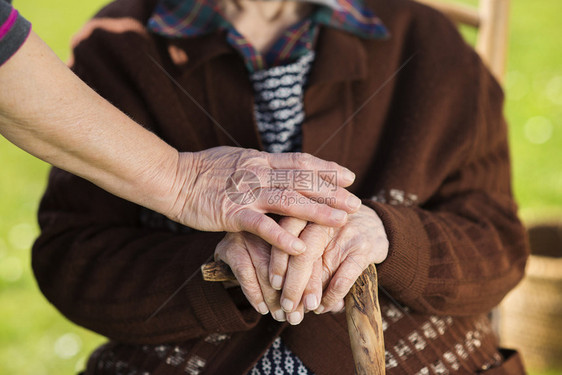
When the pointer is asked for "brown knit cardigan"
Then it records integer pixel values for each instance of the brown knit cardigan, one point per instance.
(417, 117)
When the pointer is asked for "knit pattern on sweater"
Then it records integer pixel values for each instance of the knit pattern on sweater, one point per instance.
(278, 96)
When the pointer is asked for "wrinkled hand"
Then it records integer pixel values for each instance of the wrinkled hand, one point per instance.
(319, 279)
(248, 257)
(322, 276)
(203, 202)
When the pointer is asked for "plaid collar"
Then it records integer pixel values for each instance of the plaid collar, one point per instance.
(190, 18)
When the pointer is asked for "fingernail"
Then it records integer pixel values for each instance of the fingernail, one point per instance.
(287, 304)
(339, 215)
(349, 175)
(311, 302)
(298, 246)
(294, 318)
(353, 202)
(319, 310)
(262, 308)
(279, 315)
(276, 282)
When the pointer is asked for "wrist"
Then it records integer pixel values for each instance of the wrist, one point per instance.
(182, 177)
(163, 179)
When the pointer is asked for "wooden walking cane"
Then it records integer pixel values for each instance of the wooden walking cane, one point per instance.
(364, 320)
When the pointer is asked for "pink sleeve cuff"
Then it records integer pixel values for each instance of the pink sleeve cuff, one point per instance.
(7, 26)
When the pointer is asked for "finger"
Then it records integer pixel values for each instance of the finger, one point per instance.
(306, 162)
(339, 307)
(296, 316)
(333, 196)
(278, 268)
(300, 266)
(241, 265)
(292, 203)
(265, 227)
(260, 258)
(309, 184)
(313, 290)
(339, 286)
(279, 315)
(280, 259)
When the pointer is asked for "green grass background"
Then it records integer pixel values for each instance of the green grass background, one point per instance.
(36, 339)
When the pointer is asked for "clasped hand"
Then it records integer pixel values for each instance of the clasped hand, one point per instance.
(317, 280)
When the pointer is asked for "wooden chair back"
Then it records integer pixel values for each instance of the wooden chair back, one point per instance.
(491, 20)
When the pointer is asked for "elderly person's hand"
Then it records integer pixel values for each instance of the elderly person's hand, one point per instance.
(204, 202)
(334, 259)
(248, 257)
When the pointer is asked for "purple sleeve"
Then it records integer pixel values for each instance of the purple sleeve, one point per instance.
(14, 30)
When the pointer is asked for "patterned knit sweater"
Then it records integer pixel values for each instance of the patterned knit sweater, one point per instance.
(279, 104)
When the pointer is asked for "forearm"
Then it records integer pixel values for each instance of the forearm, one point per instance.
(58, 118)
(46, 110)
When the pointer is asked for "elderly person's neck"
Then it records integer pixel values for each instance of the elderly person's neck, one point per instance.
(262, 22)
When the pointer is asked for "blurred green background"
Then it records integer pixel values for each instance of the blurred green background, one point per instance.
(36, 339)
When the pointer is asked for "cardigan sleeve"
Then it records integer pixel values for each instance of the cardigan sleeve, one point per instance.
(109, 270)
(14, 30)
(457, 246)
(103, 270)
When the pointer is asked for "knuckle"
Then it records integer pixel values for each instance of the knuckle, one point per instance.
(245, 219)
(262, 269)
(279, 235)
(261, 223)
(303, 262)
(254, 221)
(329, 298)
(320, 235)
(342, 285)
(305, 160)
(292, 289)
(315, 279)
(318, 210)
(244, 275)
(278, 267)
(341, 195)
(358, 266)
(296, 158)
